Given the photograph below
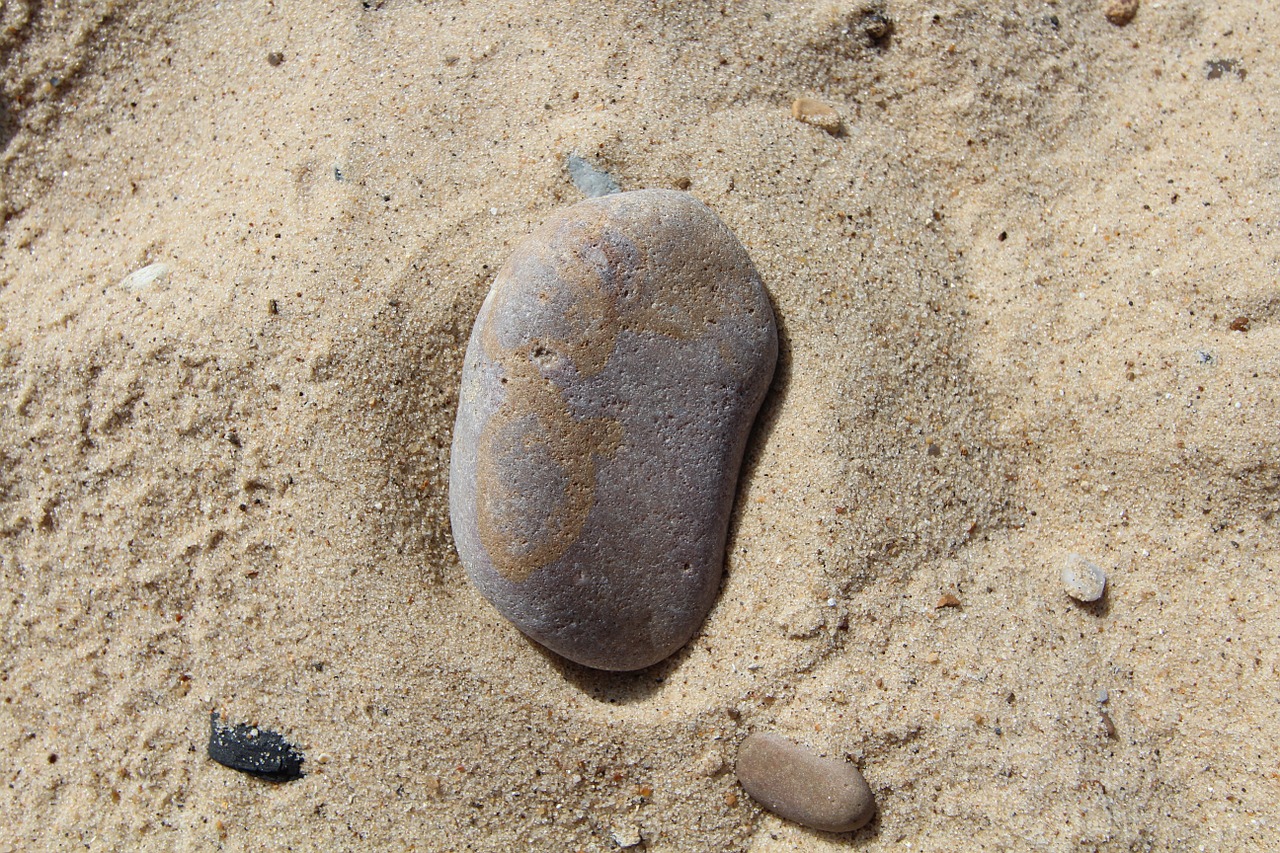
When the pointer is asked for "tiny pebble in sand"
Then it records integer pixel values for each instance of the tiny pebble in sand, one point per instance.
(1121, 12)
(815, 112)
(787, 779)
(1083, 579)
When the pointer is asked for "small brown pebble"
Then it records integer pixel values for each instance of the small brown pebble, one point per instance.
(877, 26)
(1239, 324)
(1121, 12)
(948, 600)
(815, 112)
(821, 793)
(274, 58)
(1108, 726)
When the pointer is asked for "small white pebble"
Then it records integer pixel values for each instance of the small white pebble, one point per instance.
(140, 280)
(710, 763)
(1083, 579)
(626, 836)
(1103, 696)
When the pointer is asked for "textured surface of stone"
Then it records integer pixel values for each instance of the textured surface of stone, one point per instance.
(794, 783)
(608, 390)
(1083, 579)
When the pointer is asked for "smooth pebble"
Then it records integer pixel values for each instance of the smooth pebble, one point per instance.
(787, 779)
(1084, 580)
(608, 390)
(815, 112)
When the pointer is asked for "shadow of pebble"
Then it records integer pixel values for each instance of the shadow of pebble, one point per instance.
(613, 688)
(855, 839)
(619, 688)
(1100, 608)
(8, 125)
(766, 419)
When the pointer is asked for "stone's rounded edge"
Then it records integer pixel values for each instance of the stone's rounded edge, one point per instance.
(462, 453)
(614, 662)
(635, 198)
(1083, 579)
(461, 450)
(794, 783)
(671, 215)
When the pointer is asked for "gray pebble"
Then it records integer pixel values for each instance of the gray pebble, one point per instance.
(792, 782)
(1083, 579)
(593, 182)
(608, 389)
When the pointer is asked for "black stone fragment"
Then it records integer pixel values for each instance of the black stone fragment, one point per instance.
(253, 750)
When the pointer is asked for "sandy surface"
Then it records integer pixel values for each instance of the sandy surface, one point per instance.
(1029, 305)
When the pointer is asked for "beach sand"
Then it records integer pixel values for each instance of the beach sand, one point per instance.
(1029, 301)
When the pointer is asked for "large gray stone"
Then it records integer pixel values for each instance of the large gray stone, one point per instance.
(609, 386)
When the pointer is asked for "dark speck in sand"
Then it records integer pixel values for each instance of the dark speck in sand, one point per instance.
(1214, 69)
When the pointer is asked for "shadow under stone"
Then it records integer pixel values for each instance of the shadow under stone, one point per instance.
(766, 420)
